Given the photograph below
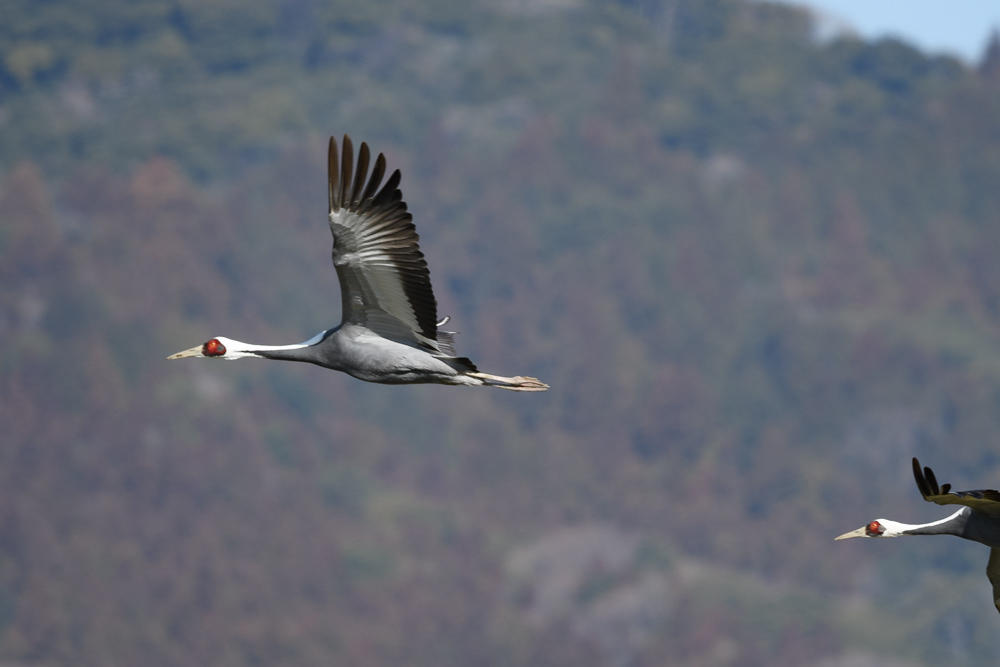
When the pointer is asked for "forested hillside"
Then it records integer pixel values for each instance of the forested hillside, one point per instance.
(757, 268)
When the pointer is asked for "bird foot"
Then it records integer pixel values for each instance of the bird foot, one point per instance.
(517, 383)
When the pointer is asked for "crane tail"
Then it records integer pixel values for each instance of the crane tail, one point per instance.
(446, 343)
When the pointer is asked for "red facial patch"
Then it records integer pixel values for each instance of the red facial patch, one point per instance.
(874, 529)
(213, 348)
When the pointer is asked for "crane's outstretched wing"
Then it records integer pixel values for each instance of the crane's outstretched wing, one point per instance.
(993, 572)
(986, 501)
(384, 281)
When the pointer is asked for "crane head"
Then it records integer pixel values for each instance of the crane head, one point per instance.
(877, 528)
(214, 348)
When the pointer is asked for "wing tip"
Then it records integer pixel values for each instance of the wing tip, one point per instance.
(347, 185)
(918, 476)
(332, 175)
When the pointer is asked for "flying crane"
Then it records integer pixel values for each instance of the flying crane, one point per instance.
(978, 520)
(389, 332)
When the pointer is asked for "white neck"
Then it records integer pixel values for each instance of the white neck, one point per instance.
(895, 528)
(236, 349)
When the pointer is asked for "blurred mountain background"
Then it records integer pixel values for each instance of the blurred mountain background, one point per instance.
(758, 266)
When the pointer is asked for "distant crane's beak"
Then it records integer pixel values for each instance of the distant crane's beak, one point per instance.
(860, 532)
(193, 352)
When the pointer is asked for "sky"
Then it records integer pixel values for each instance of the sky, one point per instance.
(958, 27)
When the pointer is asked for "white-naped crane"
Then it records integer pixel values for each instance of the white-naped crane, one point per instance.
(389, 330)
(978, 520)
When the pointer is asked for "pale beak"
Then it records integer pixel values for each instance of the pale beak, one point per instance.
(860, 532)
(193, 352)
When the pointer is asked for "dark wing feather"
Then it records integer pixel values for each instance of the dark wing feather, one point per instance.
(993, 572)
(986, 501)
(384, 281)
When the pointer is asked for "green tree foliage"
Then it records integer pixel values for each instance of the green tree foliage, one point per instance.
(758, 270)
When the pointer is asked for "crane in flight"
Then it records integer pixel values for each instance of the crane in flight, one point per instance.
(389, 331)
(978, 519)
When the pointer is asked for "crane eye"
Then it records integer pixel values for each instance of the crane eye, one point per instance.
(874, 529)
(213, 348)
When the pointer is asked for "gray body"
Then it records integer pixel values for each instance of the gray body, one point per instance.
(359, 352)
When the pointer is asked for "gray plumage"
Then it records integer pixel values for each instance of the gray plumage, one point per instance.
(978, 519)
(389, 328)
